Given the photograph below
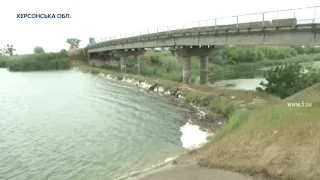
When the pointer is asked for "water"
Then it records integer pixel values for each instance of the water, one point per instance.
(242, 84)
(70, 125)
(252, 84)
(315, 64)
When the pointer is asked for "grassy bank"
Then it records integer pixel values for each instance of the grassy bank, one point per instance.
(277, 140)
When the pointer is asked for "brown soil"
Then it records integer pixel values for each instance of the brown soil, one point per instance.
(283, 151)
(302, 95)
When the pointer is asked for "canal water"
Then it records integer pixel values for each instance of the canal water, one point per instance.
(253, 83)
(70, 125)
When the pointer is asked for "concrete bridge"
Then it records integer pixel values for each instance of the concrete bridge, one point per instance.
(201, 40)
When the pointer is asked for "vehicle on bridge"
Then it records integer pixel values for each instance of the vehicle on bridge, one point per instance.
(157, 49)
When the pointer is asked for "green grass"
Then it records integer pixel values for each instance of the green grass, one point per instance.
(234, 122)
(270, 116)
(222, 106)
(94, 71)
(193, 97)
(265, 140)
(38, 62)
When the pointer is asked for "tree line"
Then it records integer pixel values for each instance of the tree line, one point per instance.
(239, 54)
(9, 49)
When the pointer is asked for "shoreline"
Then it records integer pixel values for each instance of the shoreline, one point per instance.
(226, 151)
(206, 120)
(199, 115)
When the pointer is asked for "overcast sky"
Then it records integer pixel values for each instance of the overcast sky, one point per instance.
(102, 19)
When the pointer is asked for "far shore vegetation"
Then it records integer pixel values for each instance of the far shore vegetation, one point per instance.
(39, 60)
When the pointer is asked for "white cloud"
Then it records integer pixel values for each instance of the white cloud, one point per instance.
(100, 18)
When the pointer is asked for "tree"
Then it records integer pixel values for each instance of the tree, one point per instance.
(73, 42)
(38, 50)
(64, 53)
(8, 50)
(287, 80)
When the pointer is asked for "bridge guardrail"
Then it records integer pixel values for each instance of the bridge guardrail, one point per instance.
(306, 15)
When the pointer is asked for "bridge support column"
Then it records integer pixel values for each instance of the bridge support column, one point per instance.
(137, 64)
(126, 53)
(187, 53)
(203, 69)
(123, 64)
(186, 69)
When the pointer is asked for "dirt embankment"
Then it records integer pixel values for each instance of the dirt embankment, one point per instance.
(99, 63)
(278, 141)
(302, 95)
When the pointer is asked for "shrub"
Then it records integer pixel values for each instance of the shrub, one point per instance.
(3, 61)
(289, 79)
(43, 61)
(38, 50)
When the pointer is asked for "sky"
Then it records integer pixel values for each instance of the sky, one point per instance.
(104, 19)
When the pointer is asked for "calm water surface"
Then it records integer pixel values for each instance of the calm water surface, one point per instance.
(252, 84)
(70, 125)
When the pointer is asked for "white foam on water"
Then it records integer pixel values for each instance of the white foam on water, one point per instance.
(192, 136)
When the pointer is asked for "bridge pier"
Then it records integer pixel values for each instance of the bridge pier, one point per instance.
(137, 64)
(186, 69)
(187, 52)
(126, 53)
(123, 64)
(203, 69)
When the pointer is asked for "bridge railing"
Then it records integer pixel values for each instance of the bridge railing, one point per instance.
(306, 15)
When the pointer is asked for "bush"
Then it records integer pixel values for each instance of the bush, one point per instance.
(3, 61)
(64, 53)
(289, 79)
(170, 64)
(38, 50)
(218, 60)
(43, 61)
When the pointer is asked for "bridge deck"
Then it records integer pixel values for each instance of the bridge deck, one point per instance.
(305, 34)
